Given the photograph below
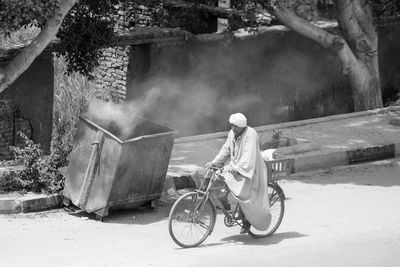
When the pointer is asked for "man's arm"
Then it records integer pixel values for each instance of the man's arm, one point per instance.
(248, 157)
(224, 154)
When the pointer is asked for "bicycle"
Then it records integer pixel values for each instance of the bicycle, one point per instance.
(192, 217)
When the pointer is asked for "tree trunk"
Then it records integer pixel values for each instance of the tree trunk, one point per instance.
(357, 49)
(25, 58)
(365, 83)
(356, 21)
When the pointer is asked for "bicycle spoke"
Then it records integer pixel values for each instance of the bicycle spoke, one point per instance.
(191, 219)
(203, 225)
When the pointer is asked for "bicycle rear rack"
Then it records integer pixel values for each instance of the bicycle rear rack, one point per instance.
(279, 169)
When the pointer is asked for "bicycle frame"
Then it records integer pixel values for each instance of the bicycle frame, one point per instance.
(213, 179)
(198, 205)
(205, 194)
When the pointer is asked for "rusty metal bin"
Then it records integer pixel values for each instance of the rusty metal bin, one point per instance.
(107, 172)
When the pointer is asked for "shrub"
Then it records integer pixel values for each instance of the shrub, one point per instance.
(276, 135)
(41, 173)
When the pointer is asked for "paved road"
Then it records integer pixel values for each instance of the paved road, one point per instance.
(347, 216)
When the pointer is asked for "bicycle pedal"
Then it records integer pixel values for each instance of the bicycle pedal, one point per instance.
(229, 221)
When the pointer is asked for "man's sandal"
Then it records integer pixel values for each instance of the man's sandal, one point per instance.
(246, 227)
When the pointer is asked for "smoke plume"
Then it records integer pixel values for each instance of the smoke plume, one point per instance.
(194, 88)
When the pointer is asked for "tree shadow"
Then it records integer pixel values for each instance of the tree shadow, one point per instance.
(385, 173)
(250, 241)
(140, 216)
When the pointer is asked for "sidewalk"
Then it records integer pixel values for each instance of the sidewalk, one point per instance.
(321, 143)
(315, 144)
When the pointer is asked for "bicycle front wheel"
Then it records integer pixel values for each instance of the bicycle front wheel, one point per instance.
(191, 220)
(277, 208)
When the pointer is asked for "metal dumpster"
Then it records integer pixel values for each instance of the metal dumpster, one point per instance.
(107, 172)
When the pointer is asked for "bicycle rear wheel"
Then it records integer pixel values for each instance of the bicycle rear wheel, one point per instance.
(277, 208)
(191, 220)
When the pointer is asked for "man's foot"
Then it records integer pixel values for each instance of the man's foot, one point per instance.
(246, 226)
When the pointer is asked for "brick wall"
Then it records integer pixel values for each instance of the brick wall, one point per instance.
(10, 124)
(6, 128)
(110, 76)
(32, 94)
(131, 15)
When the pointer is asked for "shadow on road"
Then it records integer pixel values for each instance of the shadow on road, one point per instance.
(380, 173)
(138, 216)
(141, 216)
(248, 240)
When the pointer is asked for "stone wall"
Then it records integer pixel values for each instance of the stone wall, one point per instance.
(10, 125)
(6, 129)
(131, 15)
(110, 75)
(313, 9)
(32, 95)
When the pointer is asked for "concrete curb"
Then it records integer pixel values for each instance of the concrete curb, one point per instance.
(25, 204)
(346, 157)
(313, 162)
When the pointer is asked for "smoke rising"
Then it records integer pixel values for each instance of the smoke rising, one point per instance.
(108, 114)
(194, 88)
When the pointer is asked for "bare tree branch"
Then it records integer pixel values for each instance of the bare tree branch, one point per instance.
(1, 74)
(335, 43)
(347, 21)
(355, 49)
(303, 27)
(25, 58)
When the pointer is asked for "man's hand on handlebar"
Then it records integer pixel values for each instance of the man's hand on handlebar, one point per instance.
(210, 165)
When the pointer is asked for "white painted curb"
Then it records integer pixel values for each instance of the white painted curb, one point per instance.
(26, 204)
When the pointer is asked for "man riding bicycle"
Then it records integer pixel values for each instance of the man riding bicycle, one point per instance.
(245, 174)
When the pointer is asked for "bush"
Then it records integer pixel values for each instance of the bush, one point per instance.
(276, 135)
(41, 173)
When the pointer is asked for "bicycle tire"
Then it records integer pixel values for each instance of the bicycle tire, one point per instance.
(277, 208)
(185, 210)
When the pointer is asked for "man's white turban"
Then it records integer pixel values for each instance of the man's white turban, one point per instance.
(238, 119)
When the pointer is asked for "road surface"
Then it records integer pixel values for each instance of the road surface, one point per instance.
(346, 216)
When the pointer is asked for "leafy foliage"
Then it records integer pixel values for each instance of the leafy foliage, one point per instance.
(244, 15)
(276, 135)
(16, 14)
(380, 8)
(88, 27)
(384, 8)
(40, 173)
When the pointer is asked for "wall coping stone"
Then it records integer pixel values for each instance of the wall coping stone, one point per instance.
(290, 124)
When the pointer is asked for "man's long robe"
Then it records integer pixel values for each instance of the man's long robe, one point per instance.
(249, 186)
